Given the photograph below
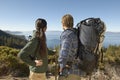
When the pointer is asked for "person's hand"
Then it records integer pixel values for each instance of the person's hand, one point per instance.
(60, 70)
(38, 62)
(67, 66)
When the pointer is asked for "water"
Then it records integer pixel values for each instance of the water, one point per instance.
(53, 38)
(111, 39)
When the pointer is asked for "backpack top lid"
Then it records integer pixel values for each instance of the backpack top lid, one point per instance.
(97, 23)
(90, 21)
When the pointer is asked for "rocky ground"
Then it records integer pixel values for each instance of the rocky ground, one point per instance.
(21, 78)
(12, 78)
(110, 73)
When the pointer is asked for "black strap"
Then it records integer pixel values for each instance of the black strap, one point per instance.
(78, 42)
(80, 45)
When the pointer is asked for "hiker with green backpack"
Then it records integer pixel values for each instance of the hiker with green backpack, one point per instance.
(80, 48)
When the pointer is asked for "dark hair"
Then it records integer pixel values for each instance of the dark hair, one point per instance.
(40, 24)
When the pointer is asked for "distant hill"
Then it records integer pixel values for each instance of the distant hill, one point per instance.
(13, 32)
(13, 41)
(110, 32)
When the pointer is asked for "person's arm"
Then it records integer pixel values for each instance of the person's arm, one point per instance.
(64, 52)
(28, 50)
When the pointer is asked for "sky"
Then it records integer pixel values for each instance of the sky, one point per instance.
(20, 15)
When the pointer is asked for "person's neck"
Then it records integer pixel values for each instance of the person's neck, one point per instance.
(65, 28)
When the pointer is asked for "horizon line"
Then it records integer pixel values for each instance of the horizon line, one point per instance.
(47, 30)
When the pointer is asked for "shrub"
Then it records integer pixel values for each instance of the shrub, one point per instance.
(10, 64)
(112, 54)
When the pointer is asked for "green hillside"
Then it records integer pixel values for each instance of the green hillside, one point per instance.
(10, 63)
(13, 41)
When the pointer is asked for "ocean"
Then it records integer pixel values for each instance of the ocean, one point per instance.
(53, 38)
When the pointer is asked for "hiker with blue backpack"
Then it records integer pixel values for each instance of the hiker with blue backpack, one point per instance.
(80, 47)
(68, 49)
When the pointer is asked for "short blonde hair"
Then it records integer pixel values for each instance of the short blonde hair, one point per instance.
(67, 20)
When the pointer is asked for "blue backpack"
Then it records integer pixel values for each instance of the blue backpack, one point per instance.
(90, 34)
